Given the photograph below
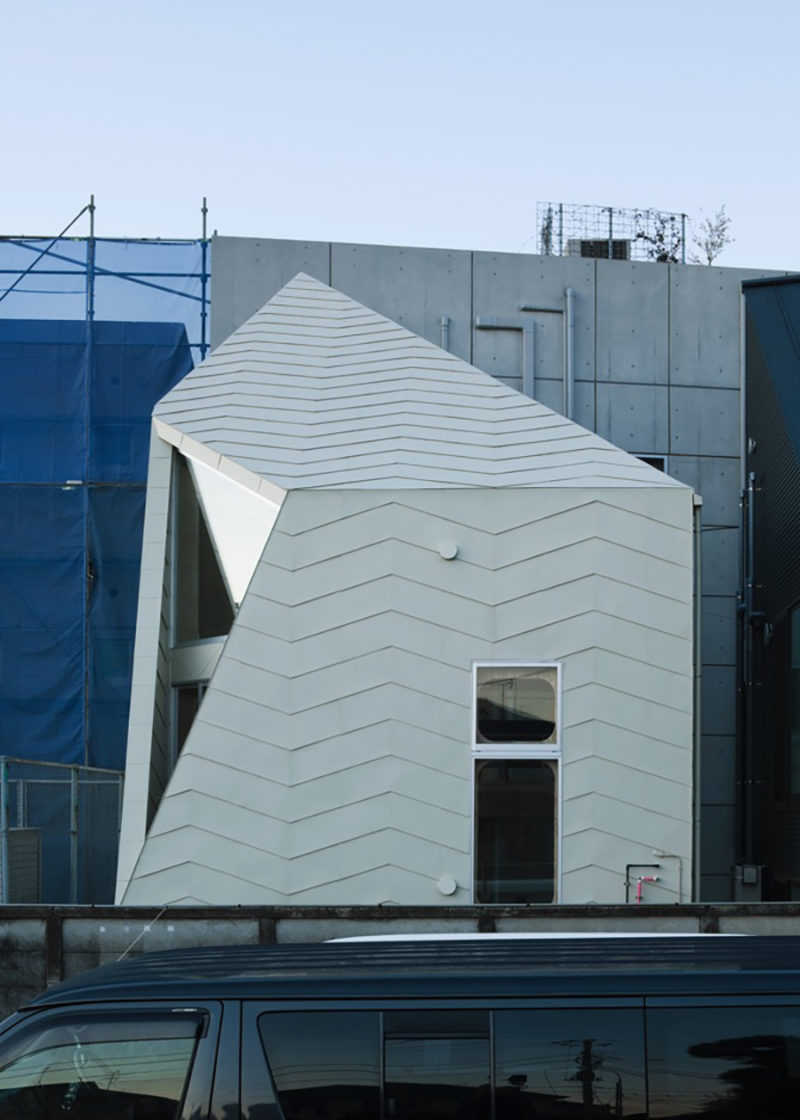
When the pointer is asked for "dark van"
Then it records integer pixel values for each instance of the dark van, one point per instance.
(480, 1029)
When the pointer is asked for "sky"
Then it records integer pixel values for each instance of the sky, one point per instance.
(427, 122)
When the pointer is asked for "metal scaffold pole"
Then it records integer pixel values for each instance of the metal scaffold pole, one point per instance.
(90, 264)
(204, 284)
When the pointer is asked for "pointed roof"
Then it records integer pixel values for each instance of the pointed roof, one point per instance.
(317, 391)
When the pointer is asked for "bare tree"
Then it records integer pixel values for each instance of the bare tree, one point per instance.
(713, 237)
(661, 234)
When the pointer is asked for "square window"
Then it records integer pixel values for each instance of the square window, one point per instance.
(516, 704)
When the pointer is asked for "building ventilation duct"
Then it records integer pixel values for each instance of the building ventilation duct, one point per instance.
(598, 248)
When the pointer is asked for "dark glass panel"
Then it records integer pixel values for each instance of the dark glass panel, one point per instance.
(515, 816)
(100, 1069)
(188, 704)
(203, 607)
(726, 1063)
(325, 1064)
(569, 1064)
(516, 704)
(437, 1065)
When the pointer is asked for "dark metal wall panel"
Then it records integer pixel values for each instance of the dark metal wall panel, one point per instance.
(770, 417)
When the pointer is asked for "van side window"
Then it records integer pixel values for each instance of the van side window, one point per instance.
(99, 1068)
(436, 1063)
(324, 1063)
(725, 1062)
(581, 1062)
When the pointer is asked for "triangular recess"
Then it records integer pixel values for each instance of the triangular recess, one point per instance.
(239, 522)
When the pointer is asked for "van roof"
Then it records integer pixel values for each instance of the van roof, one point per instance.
(479, 967)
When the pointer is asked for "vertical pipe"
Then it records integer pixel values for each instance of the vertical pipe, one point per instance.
(4, 829)
(569, 353)
(73, 834)
(698, 692)
(444, 327)
(204, 283)
(528, 362)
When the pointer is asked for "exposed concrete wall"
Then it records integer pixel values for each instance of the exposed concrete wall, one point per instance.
(657, 368)
(39, 946)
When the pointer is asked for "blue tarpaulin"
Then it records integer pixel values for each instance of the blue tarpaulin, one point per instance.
(74, 436)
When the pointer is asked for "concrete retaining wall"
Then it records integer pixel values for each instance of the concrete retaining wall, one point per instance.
(39, 946)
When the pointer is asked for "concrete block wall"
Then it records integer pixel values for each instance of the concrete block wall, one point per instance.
(657, 358)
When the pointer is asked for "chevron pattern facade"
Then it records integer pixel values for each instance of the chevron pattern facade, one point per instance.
(332, 758)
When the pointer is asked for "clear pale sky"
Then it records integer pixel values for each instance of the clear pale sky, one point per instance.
(417, 123)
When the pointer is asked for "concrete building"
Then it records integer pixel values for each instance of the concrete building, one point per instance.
(654, 355)
(443, 635)
(648, 355)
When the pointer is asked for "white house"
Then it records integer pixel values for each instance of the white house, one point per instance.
(405, 635)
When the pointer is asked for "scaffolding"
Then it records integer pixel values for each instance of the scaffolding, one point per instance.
(93, 331)
(610, 232)
(122, 279)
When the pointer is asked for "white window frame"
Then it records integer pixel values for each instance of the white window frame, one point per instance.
(515, 749)
(511, 751)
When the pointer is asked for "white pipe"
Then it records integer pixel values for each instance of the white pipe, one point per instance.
(569, 353)
(698, 691)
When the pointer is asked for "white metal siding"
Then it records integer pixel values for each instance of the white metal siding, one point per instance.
(331, 761)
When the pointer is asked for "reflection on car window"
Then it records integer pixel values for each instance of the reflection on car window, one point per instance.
(325, 1064)
(562, 1063)
(729, 1063)
(103, 1069)
(550, 1064)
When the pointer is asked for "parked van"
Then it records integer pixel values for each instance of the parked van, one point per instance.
(475, 1029)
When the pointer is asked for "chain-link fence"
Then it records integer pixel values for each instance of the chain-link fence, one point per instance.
(59, 829)
(610, 232)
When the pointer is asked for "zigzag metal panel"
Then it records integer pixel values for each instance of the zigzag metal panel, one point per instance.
(317, 391)
(330, 761)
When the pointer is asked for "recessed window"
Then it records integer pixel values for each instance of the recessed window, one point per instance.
(187, 703)
(657, 461)
(516, 704)
(516, 827)
(203, 607)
